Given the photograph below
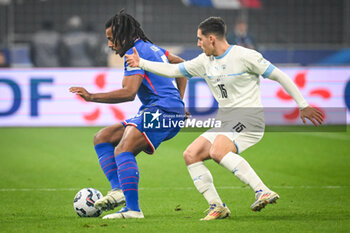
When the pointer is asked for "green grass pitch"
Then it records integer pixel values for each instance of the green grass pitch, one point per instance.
(42, 169)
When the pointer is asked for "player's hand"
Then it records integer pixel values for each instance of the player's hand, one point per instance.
(82, 92)
(187, 114)
(314, 115)
(133, 60)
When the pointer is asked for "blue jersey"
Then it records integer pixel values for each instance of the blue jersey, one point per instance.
(154, 90)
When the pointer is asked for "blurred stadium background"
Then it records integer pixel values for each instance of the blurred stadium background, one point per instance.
(293, 31)
(309, 40)
(42, 167)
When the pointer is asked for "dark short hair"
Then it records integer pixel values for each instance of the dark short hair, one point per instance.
(213, 25)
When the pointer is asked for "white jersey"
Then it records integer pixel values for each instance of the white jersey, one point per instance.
(233, 77)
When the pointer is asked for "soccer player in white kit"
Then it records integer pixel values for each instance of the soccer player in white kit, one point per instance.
(232, 74)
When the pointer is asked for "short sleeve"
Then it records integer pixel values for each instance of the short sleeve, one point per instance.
(194, 67)
(166, 52)
(257, 64)
(128, 71)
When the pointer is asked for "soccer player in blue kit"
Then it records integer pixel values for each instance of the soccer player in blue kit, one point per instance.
(117, 145)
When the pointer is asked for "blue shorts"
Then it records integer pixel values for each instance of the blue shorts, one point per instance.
(156, 125)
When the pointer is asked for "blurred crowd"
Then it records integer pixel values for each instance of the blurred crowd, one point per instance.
(241, 36)
(78, 46)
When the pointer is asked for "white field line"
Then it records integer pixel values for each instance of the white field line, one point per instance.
(173, 188)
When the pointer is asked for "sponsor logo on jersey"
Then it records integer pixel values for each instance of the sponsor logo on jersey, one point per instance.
(154, 48)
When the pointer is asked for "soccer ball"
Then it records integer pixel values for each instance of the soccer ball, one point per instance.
(84, 202)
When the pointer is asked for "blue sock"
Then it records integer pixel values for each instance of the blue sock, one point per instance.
(128, 173)
(105, 153)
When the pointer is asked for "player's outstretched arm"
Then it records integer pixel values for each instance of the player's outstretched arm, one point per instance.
(159, 68)
(306, 111)
(131, 85)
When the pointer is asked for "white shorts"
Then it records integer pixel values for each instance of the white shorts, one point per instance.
(242, 140)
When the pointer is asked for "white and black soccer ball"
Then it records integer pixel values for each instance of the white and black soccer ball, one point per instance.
(84, 202)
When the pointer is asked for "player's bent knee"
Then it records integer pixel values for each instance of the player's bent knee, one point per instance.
(127, 147)
(216, 154)
(99, 137)
(189, 156)
(121, 147)
(186, 154)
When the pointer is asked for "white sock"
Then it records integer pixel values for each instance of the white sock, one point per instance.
(241, 168)
(203, 180)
